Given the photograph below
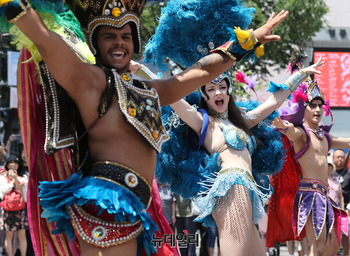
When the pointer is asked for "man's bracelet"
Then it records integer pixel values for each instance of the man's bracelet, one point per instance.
(16, 9)
(245, 45)
(294, 80)
(228, 49)
(145, 73)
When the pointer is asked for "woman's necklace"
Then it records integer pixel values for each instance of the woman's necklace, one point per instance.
(319, 133)
(213, 113)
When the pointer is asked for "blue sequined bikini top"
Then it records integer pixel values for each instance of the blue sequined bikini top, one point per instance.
(235, 138)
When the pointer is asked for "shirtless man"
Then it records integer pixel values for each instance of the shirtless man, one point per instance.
(117, 142)
(314, 168)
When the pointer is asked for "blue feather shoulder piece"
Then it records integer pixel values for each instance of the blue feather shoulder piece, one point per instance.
(189, 29)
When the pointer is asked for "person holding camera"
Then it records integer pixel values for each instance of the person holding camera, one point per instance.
(14, 205)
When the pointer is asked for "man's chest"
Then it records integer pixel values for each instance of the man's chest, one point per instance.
(317, 145)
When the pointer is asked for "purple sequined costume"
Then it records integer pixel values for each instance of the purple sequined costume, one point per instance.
(312, 198)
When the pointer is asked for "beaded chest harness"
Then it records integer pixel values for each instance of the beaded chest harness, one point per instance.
(141, 107)
(319, 133)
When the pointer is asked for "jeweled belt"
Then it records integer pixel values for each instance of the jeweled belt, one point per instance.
(123, 176)
(234, 170)
(312, 185)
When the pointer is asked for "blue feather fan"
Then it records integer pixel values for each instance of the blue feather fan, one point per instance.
(186, 28)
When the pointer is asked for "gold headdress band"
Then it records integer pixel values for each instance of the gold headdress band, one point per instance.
(114, 13)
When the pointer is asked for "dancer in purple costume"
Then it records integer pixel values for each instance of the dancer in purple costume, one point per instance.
(313, 210)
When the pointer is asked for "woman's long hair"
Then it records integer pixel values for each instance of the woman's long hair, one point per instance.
(234, 114)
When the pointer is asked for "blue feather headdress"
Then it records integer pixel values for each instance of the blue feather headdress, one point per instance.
(189, 29)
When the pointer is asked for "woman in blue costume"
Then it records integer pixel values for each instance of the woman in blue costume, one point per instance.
(233, 198)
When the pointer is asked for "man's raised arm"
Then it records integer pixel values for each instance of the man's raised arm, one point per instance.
(211, 66)
(69, 71)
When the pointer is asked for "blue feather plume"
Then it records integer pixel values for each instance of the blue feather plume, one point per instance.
(184, 25)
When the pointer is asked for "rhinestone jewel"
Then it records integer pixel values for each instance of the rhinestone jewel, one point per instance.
(211, 45)
(149, 102)
(155, 135)
(132, 112)
(126, 77)
(116, 12)
(240, 134)
(314, 185)
(199, 48)
(131, 180)
(98, 233)
(107, 12)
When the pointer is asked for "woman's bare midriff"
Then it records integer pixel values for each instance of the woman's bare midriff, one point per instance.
(236, 158)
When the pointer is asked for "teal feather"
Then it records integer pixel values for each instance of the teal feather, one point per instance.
(185, 24)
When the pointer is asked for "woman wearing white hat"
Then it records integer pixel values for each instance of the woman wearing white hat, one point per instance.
(334, 191)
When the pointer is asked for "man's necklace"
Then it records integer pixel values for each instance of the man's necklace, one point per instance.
(319, 133)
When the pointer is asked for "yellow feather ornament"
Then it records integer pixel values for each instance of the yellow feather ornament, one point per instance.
(243, 37)
(5, 2)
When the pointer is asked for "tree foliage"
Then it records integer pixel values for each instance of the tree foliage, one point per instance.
(304, 20)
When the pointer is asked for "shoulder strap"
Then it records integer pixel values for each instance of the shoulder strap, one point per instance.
(105, 102)
(307, 144)
(106, 99)
(329, 140)
(204, 127)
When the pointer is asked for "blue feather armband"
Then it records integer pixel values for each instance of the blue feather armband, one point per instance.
(13, 10)
(273, 87)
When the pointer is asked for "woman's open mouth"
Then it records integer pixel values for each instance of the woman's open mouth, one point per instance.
(219, 103)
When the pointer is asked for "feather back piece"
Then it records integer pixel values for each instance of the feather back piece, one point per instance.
(189, 29)
(185, 167)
